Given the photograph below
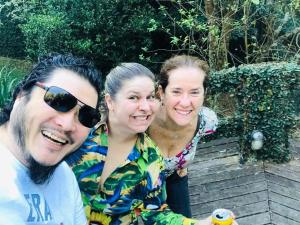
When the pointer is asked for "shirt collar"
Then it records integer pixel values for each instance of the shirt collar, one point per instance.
(141, 146)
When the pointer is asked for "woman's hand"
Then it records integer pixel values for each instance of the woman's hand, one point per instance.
(182, 172)
(206, 221)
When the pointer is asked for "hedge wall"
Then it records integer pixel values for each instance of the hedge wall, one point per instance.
(11, 38)
(265, 102)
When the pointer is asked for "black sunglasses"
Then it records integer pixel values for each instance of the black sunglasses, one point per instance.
(62, 101)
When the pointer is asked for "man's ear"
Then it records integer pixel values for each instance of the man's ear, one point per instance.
(109, 102)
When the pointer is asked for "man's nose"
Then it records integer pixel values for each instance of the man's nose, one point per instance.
(67, 120)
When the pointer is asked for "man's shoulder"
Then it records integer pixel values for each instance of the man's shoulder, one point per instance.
(8, 163)
(63, 175)
(63, 169)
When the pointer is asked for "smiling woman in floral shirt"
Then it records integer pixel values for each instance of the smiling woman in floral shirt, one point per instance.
(119, 168)
(181, 123)
(134, 188)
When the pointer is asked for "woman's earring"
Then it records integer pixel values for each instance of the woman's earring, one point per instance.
(162, 102)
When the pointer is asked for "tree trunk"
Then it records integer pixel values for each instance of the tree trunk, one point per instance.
(212, 38)
(220, 27)
(227, 25)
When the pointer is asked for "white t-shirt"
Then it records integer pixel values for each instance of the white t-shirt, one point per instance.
(23, 202)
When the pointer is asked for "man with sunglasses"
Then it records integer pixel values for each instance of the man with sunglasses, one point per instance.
(51, 113)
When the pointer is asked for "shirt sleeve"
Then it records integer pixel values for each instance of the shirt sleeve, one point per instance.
(208, 121)
(155, 210)
(166, 216)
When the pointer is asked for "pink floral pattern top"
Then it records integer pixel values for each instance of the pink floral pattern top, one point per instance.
(207, 124)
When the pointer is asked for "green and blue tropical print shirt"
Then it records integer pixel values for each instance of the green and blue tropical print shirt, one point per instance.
(134, 192)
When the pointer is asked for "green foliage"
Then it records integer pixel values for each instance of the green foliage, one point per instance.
(108, 31)
(11, 71)
(117, 30)
(263, 93)
(7, 82)
(229, 33)
(296, 97)
(11, 38)
(185, 25)
(256, 2)
(18, 67)
(45, 33)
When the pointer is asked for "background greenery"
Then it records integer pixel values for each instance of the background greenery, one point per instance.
(11, 71)
(226, 33)
(263, 102)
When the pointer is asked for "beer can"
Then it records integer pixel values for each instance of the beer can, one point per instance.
(222, 217)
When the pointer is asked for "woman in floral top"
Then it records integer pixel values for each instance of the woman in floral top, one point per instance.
(118, 168)
(181, 122)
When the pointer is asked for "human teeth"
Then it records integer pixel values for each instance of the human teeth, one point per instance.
(53, 137)
(184, 112)
(141, 117)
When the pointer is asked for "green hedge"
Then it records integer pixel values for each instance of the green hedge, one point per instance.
(11, 38)
(11, 71)
(264, 94)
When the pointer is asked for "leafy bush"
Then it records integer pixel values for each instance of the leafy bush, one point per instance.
(7, 82)
(12, 43)
(46, 33)
(229, 33)
(264, 102)
(11, 71)
(296, 97)
(18, 67)
(107, 31)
